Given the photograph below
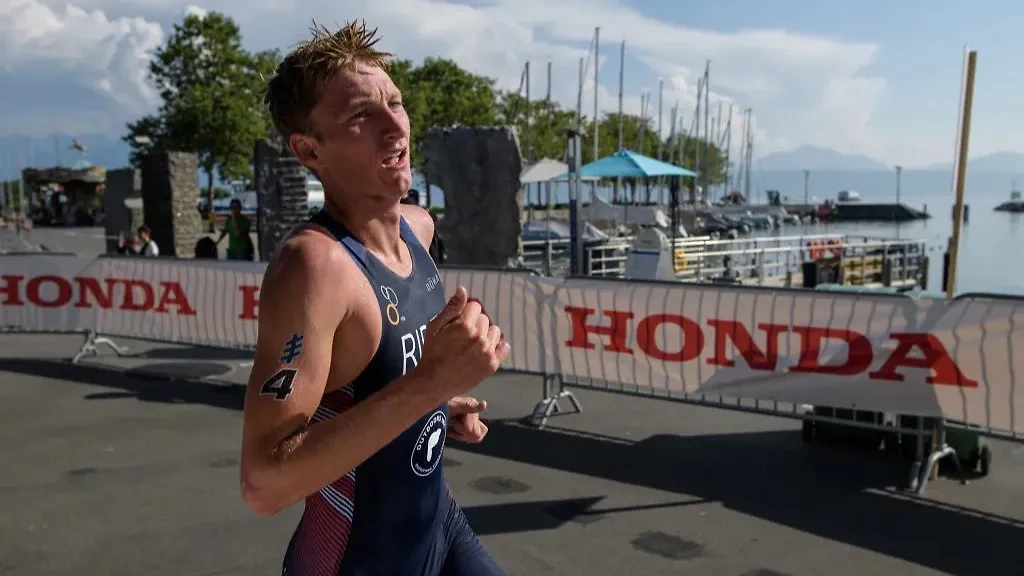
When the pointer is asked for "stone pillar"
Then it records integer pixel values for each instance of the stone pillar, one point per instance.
(170, 191)
(478, 169)
(122, 184)
(290, 198)
(265, 154)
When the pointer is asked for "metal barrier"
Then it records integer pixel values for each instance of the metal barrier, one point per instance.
(890, 427)
(556, 386)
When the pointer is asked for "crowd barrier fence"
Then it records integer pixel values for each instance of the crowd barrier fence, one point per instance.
(773, 351)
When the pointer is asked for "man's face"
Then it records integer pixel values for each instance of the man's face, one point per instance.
(363, 143)
(236, 208)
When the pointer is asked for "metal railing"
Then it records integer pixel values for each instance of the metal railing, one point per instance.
(769, 260)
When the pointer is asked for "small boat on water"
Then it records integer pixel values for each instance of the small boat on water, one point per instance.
(1015, 204)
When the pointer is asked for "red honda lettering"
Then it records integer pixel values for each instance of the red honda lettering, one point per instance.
(646, 338)
(100, 297)
(130, 302)
(934, 358)
(174, 295)
(858, 356)
(250, 302)
(34, 291)
(10, 289)
(756, 359)
(616, 331)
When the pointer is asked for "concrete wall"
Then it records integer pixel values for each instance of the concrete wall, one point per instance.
(281, 190)
(478, 169)
(170, 191)
(265, 154)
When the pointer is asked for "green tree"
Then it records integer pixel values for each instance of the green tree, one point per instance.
(211, 88)
(440, 93)
(544, 135)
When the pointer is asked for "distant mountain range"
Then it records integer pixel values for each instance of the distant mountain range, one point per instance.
(111, 152)
(825, 159)
(818, 159)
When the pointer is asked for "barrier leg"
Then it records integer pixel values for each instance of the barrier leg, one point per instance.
(943, 450)
(549, 405)
(915, 467)
(92, 340)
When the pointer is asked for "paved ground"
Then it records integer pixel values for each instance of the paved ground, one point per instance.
(11, 241)
(110, 470)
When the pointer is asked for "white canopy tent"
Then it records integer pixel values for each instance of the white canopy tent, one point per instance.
(546, 170)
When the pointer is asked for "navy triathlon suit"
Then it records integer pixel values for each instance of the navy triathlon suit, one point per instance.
(393, 514)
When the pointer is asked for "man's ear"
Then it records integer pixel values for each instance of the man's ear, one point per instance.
(305, 148)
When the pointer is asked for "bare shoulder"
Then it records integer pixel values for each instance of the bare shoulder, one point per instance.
(421, 222)
(308, 267)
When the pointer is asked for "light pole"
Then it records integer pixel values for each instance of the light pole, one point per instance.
(899, 177)
(807, 187)
(574, 156)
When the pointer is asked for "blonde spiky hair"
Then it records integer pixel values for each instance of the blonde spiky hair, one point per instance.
(296, 87)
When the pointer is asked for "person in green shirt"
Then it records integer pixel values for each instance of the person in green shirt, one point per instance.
(236, 228)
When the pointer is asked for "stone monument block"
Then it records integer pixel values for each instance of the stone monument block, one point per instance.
(478, 169)
(265, 154)
(170, 192)
(122, 184)
(289, 197)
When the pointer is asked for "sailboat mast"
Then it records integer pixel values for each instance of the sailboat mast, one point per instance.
(707, 128)
(728, 148)
(749, 153)
(596, 120)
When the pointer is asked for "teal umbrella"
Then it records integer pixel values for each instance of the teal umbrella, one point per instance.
(629, 164)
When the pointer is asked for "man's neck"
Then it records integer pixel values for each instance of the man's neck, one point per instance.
(379, 229)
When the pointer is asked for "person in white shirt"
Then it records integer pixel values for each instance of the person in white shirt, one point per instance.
(144, 246)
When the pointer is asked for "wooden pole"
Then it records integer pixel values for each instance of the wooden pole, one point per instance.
(967, 105)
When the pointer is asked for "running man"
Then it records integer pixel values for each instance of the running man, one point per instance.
(360, 362)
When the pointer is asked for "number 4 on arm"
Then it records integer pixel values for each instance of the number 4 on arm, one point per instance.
(279, 385)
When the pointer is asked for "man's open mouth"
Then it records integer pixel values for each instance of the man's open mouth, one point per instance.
(395, 159)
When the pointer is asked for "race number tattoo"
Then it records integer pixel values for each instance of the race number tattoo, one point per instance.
(292, 349)
(279, 385)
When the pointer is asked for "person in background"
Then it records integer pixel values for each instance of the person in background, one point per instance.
(436, 249)
(236, 228)
(142, 246)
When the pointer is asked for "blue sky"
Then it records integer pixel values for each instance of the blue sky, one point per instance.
(866, 77)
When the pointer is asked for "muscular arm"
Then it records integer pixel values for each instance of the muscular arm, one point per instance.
(307, 292)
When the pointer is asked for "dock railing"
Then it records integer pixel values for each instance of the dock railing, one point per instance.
(761, 261)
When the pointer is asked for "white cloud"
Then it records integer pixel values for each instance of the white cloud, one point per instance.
(66, 68)
(804, 90)
(193, 10)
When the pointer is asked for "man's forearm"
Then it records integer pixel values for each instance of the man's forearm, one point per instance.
(320, 453)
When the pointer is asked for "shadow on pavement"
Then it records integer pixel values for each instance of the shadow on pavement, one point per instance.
(194, 352)
(147, 387)
(775, 477)
(768, 475)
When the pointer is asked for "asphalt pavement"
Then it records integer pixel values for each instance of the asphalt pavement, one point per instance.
(129, 466)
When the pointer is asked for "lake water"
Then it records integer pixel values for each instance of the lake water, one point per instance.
(992, 243)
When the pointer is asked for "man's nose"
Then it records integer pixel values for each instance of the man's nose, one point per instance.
(394, 128)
